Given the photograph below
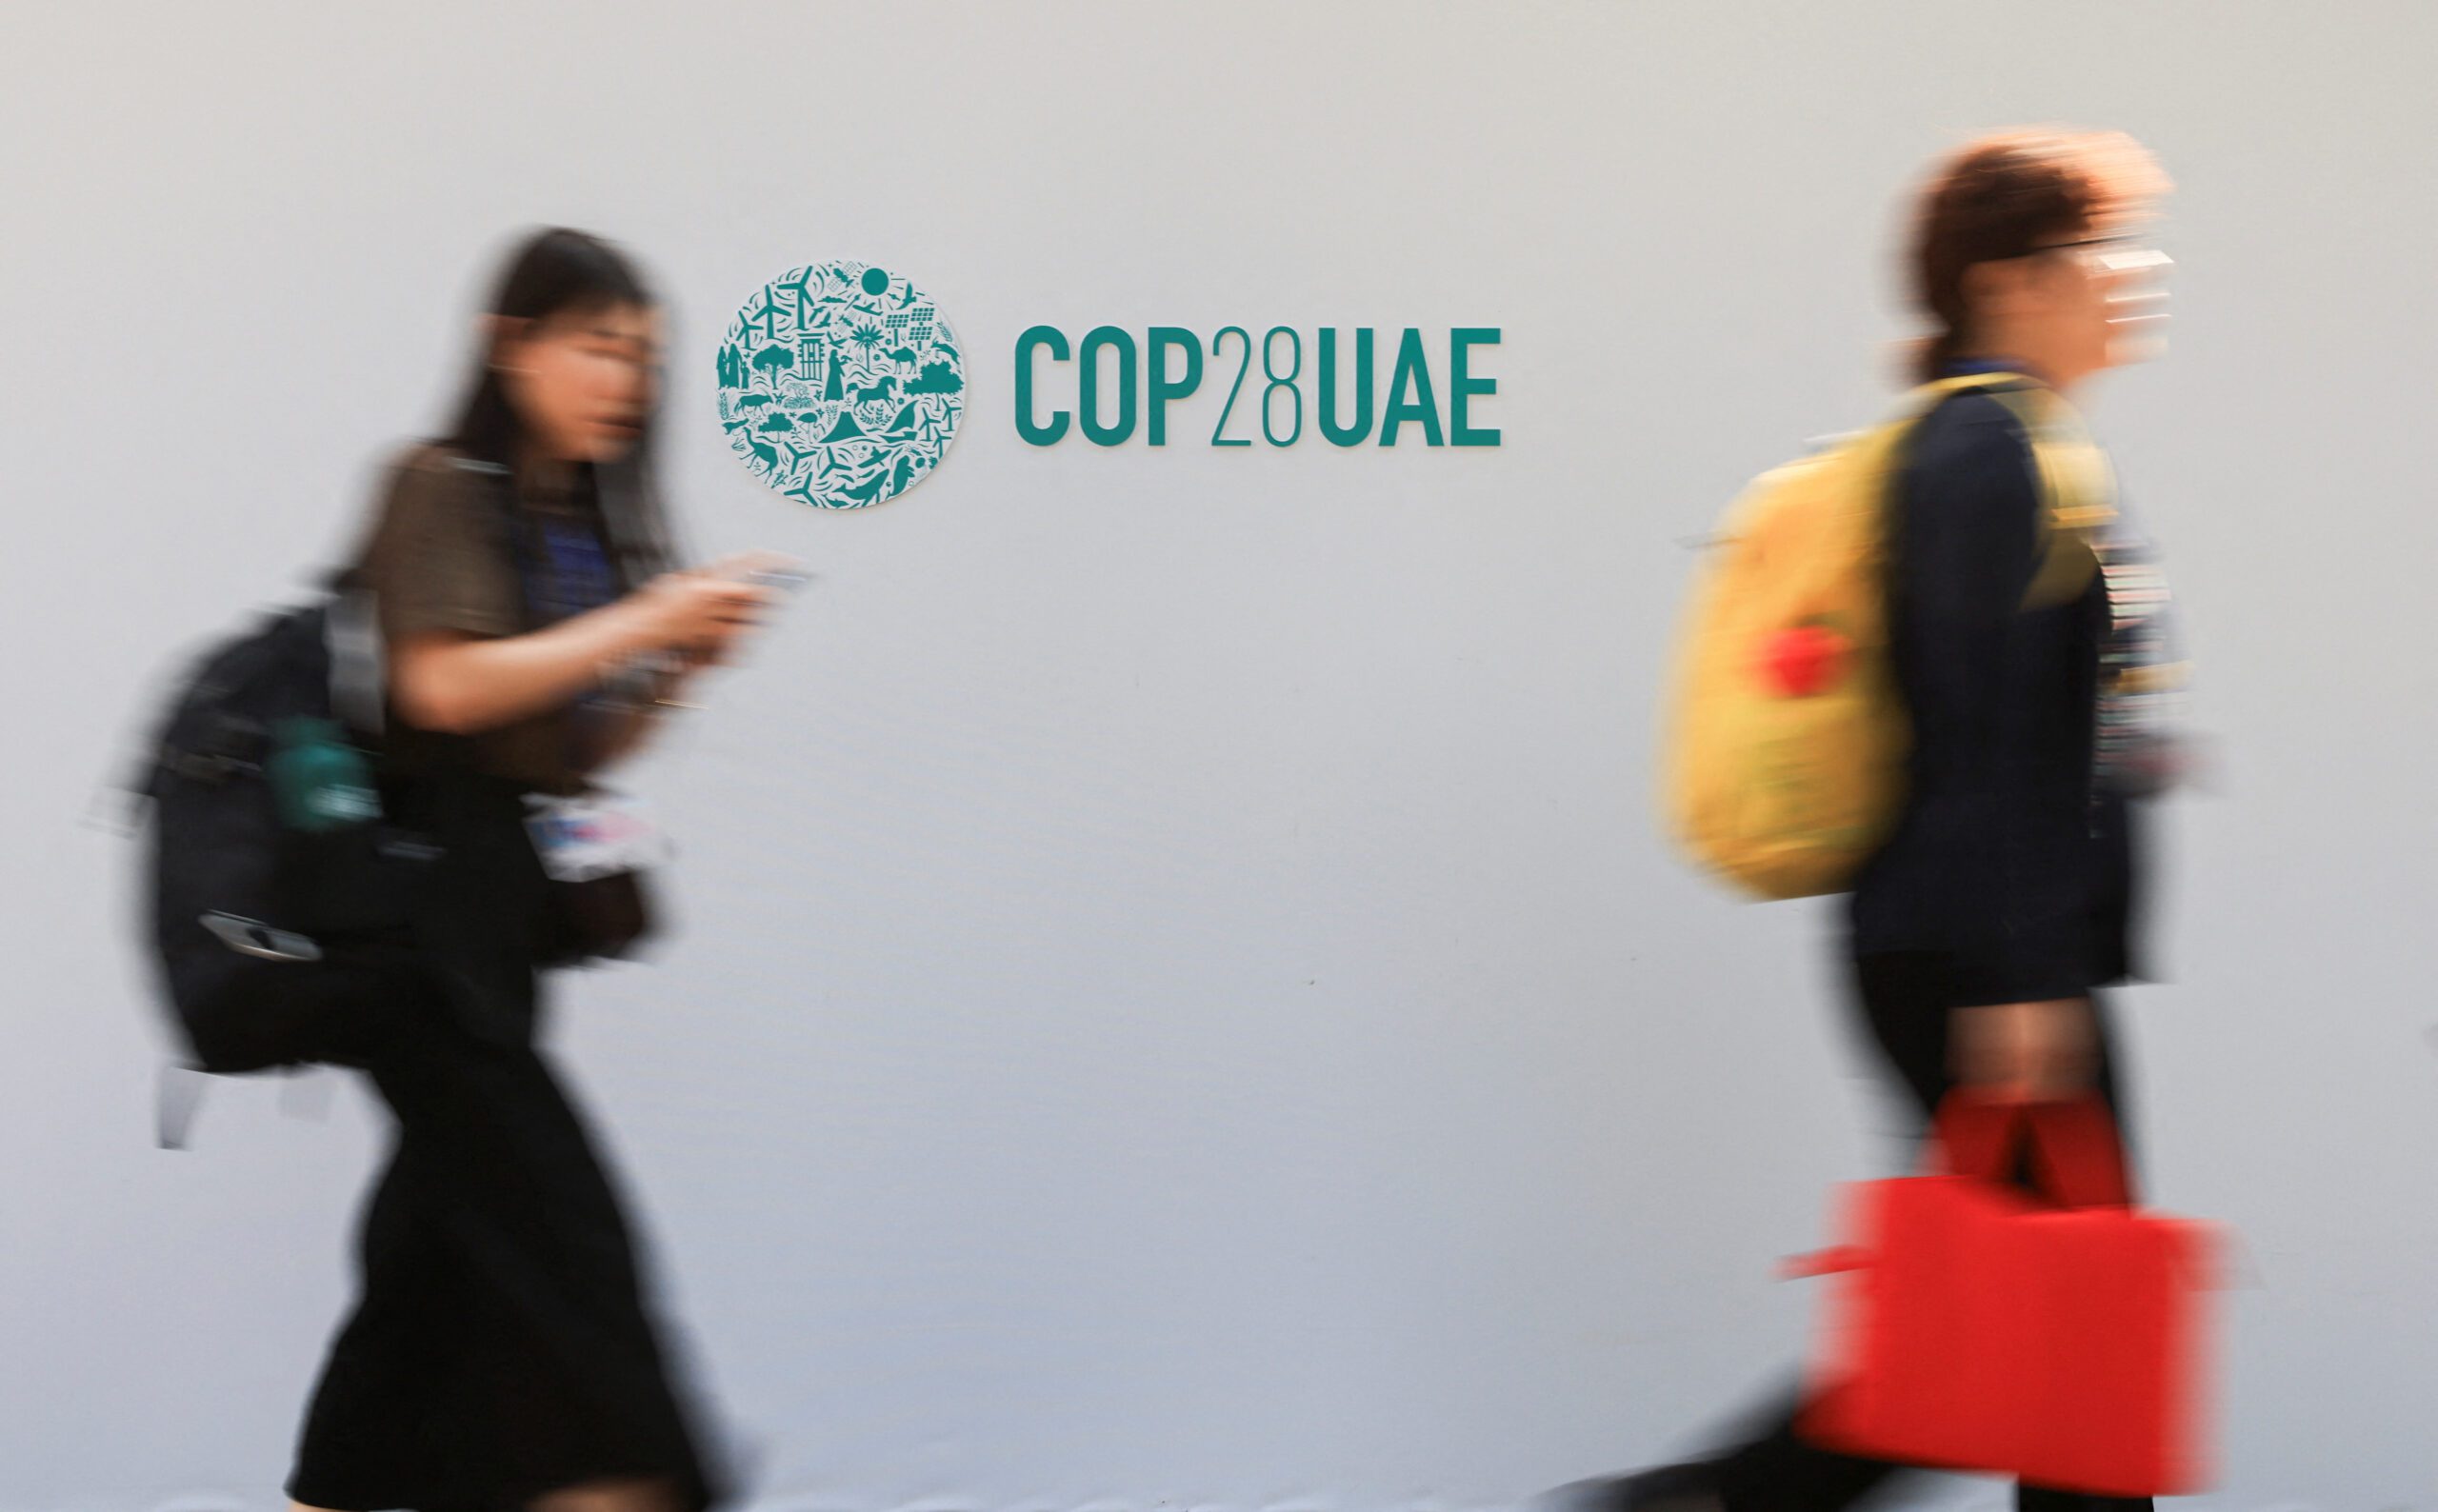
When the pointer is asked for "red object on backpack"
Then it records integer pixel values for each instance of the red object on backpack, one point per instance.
(1803, 659)
(1972, 1327)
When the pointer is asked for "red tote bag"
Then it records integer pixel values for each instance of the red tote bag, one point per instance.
(1972, 1327)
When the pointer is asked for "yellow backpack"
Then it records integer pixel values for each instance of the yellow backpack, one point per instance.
(1784, 753)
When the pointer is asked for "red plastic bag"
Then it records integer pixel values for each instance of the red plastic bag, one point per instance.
(1972, 1327)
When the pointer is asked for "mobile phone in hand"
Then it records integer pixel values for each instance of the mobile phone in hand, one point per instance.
(769, 570)
(784, 580)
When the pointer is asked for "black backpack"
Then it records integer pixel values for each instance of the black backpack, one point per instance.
(276, 945)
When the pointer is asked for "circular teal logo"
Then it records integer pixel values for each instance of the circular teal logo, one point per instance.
(840, 385)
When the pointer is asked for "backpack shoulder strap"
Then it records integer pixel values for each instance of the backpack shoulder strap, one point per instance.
(2077, 486)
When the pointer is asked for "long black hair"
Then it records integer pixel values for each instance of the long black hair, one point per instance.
(556, 272)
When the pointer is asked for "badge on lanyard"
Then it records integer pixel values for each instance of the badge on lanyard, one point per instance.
(592, 835)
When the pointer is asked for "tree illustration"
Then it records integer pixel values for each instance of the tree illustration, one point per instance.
(774, 358)
(937, 378)
(866, 335)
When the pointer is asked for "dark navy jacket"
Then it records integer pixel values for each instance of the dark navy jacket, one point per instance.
(2006, 860)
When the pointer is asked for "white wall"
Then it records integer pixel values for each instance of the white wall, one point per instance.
(1185, 1002)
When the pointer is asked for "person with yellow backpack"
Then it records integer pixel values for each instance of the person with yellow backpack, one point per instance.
(1926, 666)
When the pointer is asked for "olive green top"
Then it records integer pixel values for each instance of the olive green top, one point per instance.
(438, 557)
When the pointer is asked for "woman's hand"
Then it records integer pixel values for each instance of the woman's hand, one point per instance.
(463, 685)
(696, 614)
(2027, 1050)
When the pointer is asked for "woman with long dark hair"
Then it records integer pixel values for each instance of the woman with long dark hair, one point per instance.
(1985, 931)
(502, 1353)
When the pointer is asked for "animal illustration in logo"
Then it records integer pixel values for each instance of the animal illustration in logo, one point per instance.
(840, 385)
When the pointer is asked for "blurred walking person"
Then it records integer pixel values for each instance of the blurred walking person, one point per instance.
(503, 1352)
(1985, 931)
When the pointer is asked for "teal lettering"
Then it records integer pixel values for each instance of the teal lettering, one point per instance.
(1412, 378)
(1033, 430)
(1087, 403)
(1163, 340)
(1462, 385)
(1352, 434)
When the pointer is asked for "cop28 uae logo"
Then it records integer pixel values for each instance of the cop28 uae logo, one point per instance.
(840, 385)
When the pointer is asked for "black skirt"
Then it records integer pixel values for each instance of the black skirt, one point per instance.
(503, 1346)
